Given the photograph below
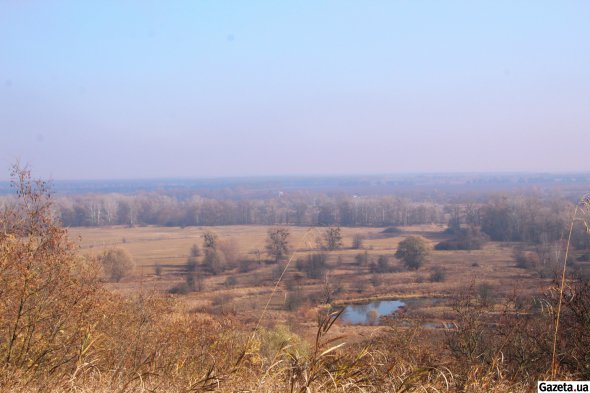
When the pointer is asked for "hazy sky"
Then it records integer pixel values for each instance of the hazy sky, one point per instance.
(146, 89)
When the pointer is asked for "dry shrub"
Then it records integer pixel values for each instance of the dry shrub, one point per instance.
(47, 293)
(231, 252)
(573, 353)
(60, 329)
(117, 263)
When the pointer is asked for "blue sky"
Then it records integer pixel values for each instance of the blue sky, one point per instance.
(92, 90)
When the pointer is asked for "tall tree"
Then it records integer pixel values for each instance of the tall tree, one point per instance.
(277, 243)
(333, 237)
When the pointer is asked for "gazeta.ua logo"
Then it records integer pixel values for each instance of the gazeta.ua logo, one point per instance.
(563, 386)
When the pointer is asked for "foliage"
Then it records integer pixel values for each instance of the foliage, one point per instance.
(438, 274)
(191, 264)
(195, 251)
(117, 263)
(524, 219)
(214, 261)
(47, 292)
(391, 231)
(357, 241)
(209, 241)
(230, 250)
(463, 239)
(413, 251)
(333, 238)
(525, 259)
(295, 298)
(277, 243)
(382, 265)
(362, 259)
(314, 266)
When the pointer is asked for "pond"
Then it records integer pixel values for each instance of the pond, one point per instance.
(369, 313)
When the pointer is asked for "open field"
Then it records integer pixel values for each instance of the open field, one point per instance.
(245, 293)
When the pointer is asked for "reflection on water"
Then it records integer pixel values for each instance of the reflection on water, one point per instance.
(369, 313)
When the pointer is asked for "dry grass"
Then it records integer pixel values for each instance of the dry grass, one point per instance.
(493, 265)
(63, 330)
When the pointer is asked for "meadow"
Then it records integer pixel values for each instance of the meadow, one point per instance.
(245, 293)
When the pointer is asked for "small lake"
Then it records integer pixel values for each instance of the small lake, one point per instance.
(369, 313)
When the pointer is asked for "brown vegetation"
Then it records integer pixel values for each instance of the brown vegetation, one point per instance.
(63, 329)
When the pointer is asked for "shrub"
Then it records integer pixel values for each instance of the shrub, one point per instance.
(231, 281)
(376, 280)
(362, 259)
(231, 252)
(525, 259)
(246, 265)
(50, 298)
(116, 263)
(438, 274)
(214, 261)
(333, 238)
(413, 251)
(382, 265)
(278, 270)
(464, 239)
(357, 241)
(180, 289)
(294, 299)
(486, 294)
(314, 266)
(191, 264)
(195, 251)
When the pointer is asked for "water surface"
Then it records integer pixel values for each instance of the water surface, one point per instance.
(369, 313)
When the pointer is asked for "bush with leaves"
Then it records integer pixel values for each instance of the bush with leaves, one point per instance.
(413, 252)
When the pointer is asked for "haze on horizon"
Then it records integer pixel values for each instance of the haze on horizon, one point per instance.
(113, 90)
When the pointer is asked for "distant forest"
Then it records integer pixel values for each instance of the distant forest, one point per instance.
(506, 217)
(532, 209)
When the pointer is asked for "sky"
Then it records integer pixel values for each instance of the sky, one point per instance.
(153, 89)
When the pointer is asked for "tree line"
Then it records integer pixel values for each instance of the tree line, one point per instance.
(514, 217)
(304, 210)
